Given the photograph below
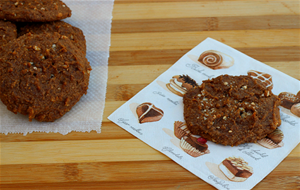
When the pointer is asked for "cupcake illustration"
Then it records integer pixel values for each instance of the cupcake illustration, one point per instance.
(272, 140)
(194, 145)
(182, 138)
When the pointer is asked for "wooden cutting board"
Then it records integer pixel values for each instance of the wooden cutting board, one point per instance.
(147, 38)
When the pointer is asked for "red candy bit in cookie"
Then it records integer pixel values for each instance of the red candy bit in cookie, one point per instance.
(201, 140)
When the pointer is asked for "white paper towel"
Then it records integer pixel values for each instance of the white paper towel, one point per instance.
(160, 134)
(94, 19)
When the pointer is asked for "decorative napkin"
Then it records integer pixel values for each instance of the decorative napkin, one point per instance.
(94, 19)
(155, 115)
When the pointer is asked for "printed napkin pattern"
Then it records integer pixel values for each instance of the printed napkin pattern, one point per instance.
(155, 115)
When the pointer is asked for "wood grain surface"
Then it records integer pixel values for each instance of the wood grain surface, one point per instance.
(148, 36)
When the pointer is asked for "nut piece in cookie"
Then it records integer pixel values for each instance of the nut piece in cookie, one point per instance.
(180, 84)
(216, 60)
(231, 110)
(63, 28)
(8, 32)
(288, 99)
(295, 109)
(33, 10)
(272, 140)
(147, 112)
(42, 76)
(180, 129)
(194, 145)
(265, 78)
(236, 169)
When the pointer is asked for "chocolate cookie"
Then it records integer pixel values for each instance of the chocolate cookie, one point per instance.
(63, 28)
(8, 32)
(231, 110)
(33, 10)
(43, 76)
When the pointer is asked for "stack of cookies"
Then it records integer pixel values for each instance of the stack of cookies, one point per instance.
(44, 71)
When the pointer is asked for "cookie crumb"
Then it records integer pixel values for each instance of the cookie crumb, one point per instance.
(36, 48)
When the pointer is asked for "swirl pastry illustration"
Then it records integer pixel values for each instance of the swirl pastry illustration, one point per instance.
(216, 60)
(147, 112)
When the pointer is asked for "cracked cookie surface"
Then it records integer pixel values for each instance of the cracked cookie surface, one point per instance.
(33, 10)
(231, 110)
(73, 33)
(8, 32)
(42, 76)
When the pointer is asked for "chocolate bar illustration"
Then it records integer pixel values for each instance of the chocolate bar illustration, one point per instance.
(236, 169)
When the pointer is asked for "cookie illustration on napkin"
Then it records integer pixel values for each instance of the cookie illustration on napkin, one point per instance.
(264, 78)
(216, 60)
(180, 84)
(288, 99)
(236, 169)
(147, 112)
(272, 140)
(295, 109)
(290, 103)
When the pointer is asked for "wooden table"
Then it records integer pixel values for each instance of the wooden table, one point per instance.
(147, 38)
